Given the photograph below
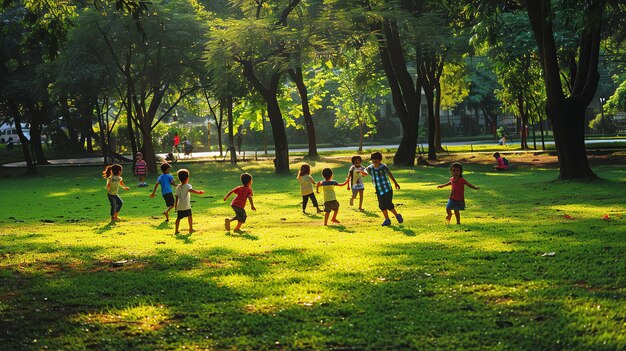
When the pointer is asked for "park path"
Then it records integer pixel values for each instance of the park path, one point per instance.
(215, 155)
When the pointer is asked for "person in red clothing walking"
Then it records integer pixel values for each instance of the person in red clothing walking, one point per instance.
(456, 202)
(242, 194)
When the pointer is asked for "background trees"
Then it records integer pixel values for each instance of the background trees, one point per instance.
(80, 73)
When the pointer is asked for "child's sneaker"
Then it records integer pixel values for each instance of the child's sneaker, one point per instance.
(227, 224)
(399, 218)
(387, 222)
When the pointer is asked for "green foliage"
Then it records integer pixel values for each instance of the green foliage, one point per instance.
(528, 260)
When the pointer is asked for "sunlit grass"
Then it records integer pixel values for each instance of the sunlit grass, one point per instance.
(517, 274)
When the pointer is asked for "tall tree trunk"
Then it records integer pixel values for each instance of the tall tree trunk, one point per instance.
(432, 149)
(437, 111)
(296, 76)
(406, 94)
(281, 147)
(567, 114)
(231, 134)
(30, 165)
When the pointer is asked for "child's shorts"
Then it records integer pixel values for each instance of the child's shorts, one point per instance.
(385, 201)
(355, 192)
(455, 205)
(184, 213)
(331, 206)
(169, 199)
(240, 214)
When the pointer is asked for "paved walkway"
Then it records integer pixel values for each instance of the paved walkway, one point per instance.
(215, 155)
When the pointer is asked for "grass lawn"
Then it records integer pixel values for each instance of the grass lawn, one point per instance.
(536, 264)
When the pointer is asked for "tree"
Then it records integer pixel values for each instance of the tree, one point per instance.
(360, 89)
(566, 107)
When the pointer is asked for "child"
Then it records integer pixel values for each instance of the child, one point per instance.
(306, 187)
(380, 178)
(113, 175)
(141, 169)
(242, 194)
(182, 201)
(166, 180)
(502, 165)
(330, 199)
(355, 178)
(456, 201)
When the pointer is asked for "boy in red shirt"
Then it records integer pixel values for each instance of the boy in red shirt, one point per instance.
(456, 201)
(243, 193)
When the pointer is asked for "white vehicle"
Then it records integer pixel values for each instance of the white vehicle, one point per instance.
(8, 133)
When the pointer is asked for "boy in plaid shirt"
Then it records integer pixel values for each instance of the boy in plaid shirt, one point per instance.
(380, 174)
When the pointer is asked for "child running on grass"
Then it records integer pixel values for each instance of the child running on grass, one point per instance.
(242, 194)
(141, 169)
(182, 201)
(355, 179)
(306, 187)
(384, 192)
(166, 181)
(113, 175)
(330, 198)
(456, 201)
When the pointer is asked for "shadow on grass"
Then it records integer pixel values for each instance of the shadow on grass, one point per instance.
(341, 228)
(404, 230)
(163, 225)
(185, 238)
(105, 228)
(242, 235)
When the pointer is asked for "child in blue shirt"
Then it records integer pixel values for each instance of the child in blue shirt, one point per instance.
(166, 180)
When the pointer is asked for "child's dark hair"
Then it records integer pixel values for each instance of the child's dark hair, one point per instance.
(165, 166)
(245, 178)
(459, 167)
(356, 158)
(139, 154)
(304, 169)
(377, 156)
(115, 169)
(183, 175)
(327, 173)
(496, 154)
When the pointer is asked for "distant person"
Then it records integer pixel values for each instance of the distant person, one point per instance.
(242, 194)
(355, 180)
(306, 187)
(113, 175)
(503, 163)
(141, 169)
(182, 200)
(188, 147)
(239, 142)
(502, 141)
(166, 180)
(330, 198)
(177, 142)
(380, 174)
(456, 201)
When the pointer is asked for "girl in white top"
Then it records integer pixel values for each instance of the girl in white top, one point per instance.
(113, 175)
(355, 180)
(306, 187)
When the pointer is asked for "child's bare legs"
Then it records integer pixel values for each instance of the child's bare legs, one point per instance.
(449, 212)
(361, 200)
(457, 214)
(177, 224)
(334, 219)
(167, 213)
(190, 220)
(326, 215)
(238, 226)
(386, 214)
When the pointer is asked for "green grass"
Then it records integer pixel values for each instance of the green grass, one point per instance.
(69, 280)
